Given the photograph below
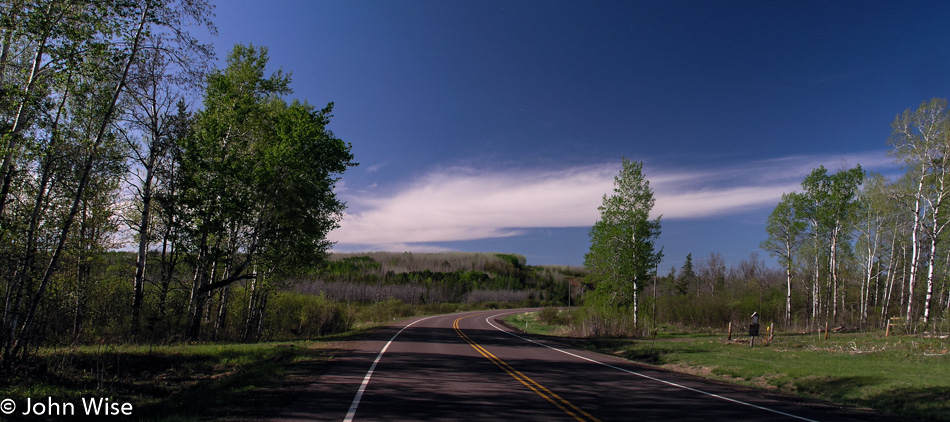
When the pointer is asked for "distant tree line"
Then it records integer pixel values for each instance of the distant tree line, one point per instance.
(100, 142)
(451, 277)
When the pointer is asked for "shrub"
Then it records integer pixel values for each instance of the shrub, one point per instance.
(295, 315)
(551, 316)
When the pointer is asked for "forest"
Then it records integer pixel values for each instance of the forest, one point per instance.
(868, 250)
(104, 148)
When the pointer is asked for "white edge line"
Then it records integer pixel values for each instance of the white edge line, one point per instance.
(359, 393)
(488, 320)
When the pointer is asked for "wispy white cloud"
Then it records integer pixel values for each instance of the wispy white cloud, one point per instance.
(467, 204)
(463, 203)
(374, 168)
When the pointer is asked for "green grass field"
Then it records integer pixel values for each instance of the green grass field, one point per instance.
(903, 375)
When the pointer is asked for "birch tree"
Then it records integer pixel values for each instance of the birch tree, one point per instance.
(162, 77)
(81, 57)
(257, 181)
(920, 141)
(785, 227)
(623, 253)
(873, 218)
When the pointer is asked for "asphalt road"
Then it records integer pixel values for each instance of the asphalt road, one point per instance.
(470, 367)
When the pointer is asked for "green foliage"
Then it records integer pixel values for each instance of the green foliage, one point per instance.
(516, 261)
(687, 278)
(442, 277)
(387, 310)
(300, 316)
(532, 322)
(257, 182)
(552, 316)
(622, 253)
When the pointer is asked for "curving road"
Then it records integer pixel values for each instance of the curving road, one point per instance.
(468, 366)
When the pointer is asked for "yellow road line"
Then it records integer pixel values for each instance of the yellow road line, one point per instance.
(533, 385)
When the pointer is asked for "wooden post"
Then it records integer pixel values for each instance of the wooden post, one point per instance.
(826, 330)
(771, 332)
(888, 331)
(730, 331)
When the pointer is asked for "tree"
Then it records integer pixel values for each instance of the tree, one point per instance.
(842, 213)
(622, 254)
(829, 203)
(687, 277)
(873, 214)
(785, 227)
(921, 139)
(156, 103)
(712, 270)
(257, 182)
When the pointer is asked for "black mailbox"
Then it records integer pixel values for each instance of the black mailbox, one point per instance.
(754, 326)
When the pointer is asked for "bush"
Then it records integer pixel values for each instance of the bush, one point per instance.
(295, 315)
(386, 310)
(552, 316)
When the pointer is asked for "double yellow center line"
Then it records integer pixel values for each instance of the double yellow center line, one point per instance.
(539, 389)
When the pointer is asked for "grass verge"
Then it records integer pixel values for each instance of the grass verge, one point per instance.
(530, 322)
(163, 382)
(903, 375)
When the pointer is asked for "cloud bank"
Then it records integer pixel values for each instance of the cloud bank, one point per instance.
(462, 203)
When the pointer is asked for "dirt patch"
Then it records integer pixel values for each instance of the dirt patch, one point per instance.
(763, 382)
(702, 371)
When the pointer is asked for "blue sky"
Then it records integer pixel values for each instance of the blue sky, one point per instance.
(499, 125)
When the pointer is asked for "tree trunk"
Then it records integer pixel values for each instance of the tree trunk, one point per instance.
(816, 286)
(788, 282)
(83, 270)
(138, 284)
(833, 263)
(251, 306)
(914, 254)
(932, 259)
(221, 320)
(636, 309)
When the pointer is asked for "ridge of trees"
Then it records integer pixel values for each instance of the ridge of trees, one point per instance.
(447, 277)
